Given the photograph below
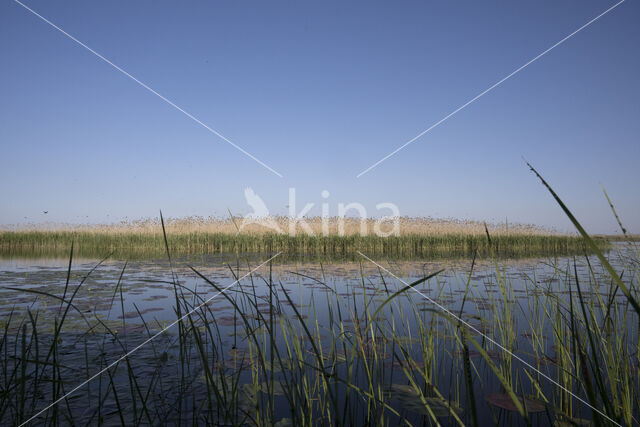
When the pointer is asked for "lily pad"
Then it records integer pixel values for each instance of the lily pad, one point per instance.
(504, 401)
(412, 401)
(563, 420)
(250, 390)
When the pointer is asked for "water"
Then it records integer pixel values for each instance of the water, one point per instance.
(116, 305)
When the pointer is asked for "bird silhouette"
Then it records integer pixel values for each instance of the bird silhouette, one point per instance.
(260, 214)
(259, 208)
(45, 212)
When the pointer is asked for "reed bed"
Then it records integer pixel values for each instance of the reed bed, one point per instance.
(350, 226)
(417, 238)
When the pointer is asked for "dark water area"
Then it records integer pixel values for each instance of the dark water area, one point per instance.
(310, 342)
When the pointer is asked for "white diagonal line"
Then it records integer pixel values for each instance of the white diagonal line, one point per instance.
(470, 326)
(175, 322)
(186, 113)
(490, 88)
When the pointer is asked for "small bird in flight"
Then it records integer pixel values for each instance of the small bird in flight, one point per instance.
(45, 212)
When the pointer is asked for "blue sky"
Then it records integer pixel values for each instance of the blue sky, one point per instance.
(319, 91)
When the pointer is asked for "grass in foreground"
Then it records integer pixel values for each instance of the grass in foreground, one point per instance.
(371, 353)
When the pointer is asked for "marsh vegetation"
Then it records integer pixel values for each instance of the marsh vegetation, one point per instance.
(417, 238)
(349, 343)
(259, 340)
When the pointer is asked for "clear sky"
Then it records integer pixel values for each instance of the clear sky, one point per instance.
(319, 91)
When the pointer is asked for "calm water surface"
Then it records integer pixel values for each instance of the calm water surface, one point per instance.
(118, 304)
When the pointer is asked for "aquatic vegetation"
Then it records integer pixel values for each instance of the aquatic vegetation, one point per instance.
(289, 352)
(326, 237)
(553, 343)
(140, 245)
